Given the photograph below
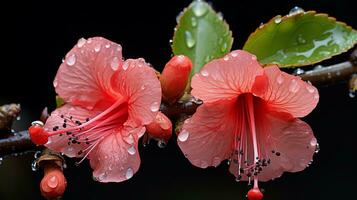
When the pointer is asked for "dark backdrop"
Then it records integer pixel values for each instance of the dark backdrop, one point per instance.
(37, 36)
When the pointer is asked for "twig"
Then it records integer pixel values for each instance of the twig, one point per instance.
(16, 143)
(319, 76)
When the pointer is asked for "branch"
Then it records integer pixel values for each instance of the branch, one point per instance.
(16, 143)
(319, 76)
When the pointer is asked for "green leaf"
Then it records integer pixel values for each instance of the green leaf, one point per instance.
(299, 39)
(59, 101)
(201, 34)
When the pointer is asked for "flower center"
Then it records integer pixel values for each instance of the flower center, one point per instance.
(91, 131)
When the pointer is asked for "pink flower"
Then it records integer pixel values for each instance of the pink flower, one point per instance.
(250, 116)
(108, 102)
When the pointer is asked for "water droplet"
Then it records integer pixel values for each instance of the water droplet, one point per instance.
(55, 83)
(317, 149)
(190, 42)
(119, 48)
(52, 182)
(193, 21)
(298, 71)
(300, 39)
(224, 47)
(34, 166)
(261, 25)
(296, 10)
(89, 40)
(204, 72)
(199, 8)
(71, 60)
(143, 87)
(132, 150)
(226, 58)
(129, 173)
(81, 42)
(277, 20)
(1, 159)
(97, 47)
(161, 144)
(107, 46)
(115, 63)
(125, 66)
(254, 57)
(318, 67)
(37, 154)
(155, 106)
(294, 86)
(234, 54)
(352, 93)
(183, 136)
(171, 41)
(313, 142)
(129, 139)
(220, 16)
(316, 96)
(310, 88)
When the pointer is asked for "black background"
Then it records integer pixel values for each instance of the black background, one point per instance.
(37, 36)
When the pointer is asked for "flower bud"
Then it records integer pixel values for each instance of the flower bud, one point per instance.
(160, 128)
(53, 183)
(174, 78)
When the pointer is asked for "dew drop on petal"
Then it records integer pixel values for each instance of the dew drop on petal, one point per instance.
(129, 173)
(224, 47)
(204, 73)
(81, 42)
(254, 57)
(119, 48)
(234, 54)
(294, 86)
(226, 58)
(115, 63)
(52, 182)
(190, 41)
(199, 8)
(313, 142)
(299, 71)
(125, 66)
(203, 164)
(143, 87)
(71, 60)
(183, 136)
(154, 106)
(55, 83)
(131, 150)
(107, 46)
(97, 47)
(89, 41)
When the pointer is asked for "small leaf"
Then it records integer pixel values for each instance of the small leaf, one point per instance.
(201, 34)
(59, 101)
(299, 39)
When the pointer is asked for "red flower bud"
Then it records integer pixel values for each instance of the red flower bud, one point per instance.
(37, 134)
(174, 78)
(160, 128)
(53, 184)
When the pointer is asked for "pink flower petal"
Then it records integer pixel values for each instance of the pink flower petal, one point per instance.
(84, 76)
(60, 143)
(287, 93)
(292, 138)
(206, 138)
(137, 81)
(226, 77)
(116, 158)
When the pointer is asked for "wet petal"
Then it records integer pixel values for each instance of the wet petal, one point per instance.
(206, 138)
(83, 77)
(137, 81)
(60, 143)
(226, 77)
(288, 93)
(116, 158)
